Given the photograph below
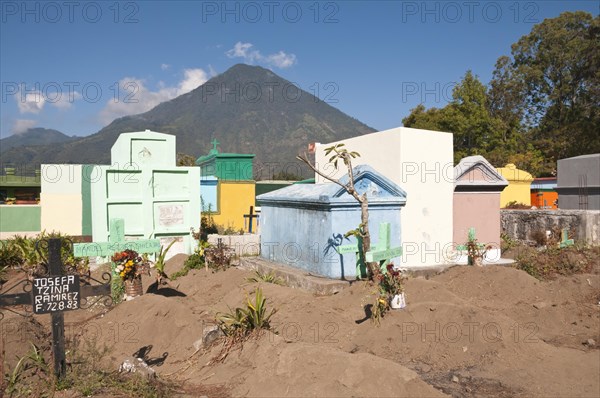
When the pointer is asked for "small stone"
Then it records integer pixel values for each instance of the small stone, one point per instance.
(431, 309)
(455, 379)
(539, 305)
(209, 335)
(137, 365)
(424, 368)
(589, 342)
(465, 349)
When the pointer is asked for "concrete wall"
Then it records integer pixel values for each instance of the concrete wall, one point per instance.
(61, 198)
(480, 211)
(19, 220)
(244, 245)
(421, 163)
(521, 224)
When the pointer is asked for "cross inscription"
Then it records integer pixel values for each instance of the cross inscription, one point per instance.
(116, 243)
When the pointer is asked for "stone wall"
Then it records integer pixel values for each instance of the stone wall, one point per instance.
(244, 245)
(523, 224)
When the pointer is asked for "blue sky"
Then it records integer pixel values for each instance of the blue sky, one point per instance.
(76, 66)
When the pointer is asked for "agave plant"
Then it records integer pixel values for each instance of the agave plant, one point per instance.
(159, 264)
(243, 321)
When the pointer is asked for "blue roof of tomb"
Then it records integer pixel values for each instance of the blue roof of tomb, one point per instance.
(380, 191)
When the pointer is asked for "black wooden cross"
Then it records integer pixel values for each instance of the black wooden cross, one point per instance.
(55, 293)
(251, 215)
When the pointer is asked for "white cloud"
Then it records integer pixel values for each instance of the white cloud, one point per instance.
(135, 97)
(64, 101)
(22, 125)
(244, 50)
(282, 60)
(164, 66)
(31, 102)
(192, 79)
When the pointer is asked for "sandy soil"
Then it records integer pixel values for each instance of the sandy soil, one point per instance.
(468, 332)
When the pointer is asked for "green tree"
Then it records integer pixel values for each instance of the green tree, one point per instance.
(468, 116)
(552, 85)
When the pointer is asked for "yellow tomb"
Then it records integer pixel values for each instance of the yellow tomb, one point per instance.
(227, 188)
(519, 185)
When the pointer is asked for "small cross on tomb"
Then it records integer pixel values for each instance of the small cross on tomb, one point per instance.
(251, 216)
(215, 143)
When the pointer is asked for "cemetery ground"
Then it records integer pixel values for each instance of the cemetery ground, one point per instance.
(467, 332)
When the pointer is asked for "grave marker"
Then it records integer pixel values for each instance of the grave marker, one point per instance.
(55, 294)
(251, 215)
(565, 241)
(381, 253)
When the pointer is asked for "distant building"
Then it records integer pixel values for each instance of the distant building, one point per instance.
(519, 186)
(20, 212)
(19, 189)
(578, 183)
(227, 187)
(543, 193)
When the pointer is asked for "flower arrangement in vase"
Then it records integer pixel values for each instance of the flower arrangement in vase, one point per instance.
(130, 266)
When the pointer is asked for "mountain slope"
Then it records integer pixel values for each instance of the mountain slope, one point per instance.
(35, 136)
(248, 109)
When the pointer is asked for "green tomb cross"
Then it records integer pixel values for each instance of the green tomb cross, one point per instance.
(382, 252)
(470, 238)
(565, 241)
(116, 243)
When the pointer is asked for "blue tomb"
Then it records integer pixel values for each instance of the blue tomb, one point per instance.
(303, 224)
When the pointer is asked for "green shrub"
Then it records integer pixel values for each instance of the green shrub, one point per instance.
(241, 322)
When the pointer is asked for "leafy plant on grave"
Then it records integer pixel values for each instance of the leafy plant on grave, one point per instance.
(506, 242)
(242, 322)
(29, 253)
(475, 251)
(218, 258)
(194, 261)
(268, 277)
(9, 255)
(390, 284)
(30, 376)
(159, 264)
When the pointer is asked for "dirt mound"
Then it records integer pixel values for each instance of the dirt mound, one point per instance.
(469, 332)
(270, 366)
